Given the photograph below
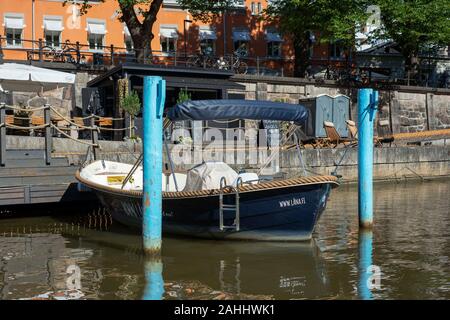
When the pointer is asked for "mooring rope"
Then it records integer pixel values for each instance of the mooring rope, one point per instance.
(71, 122)
(25, 109)
(12, 126)
(69, 137)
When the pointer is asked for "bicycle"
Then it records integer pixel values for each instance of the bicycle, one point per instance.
(63, 54)
(200, 61)
(232, 62)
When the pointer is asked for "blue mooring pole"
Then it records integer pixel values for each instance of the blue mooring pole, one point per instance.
(367, 106)
(154, 98)
(365, 244)
(154, 284)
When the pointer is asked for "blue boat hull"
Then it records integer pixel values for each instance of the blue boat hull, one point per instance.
(282, 214)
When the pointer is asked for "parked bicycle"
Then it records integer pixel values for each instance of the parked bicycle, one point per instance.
(200, 61)
(65, 53)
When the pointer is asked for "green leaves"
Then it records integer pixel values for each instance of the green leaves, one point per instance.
(206, 10)
(183, 96)
(334, 20)
(131, 103)
(415, 23)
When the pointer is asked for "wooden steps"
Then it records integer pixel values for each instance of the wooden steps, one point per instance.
(27, 179)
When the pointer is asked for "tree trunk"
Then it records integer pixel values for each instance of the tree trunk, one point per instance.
(142, 48)
(141, 32)
(302, 61)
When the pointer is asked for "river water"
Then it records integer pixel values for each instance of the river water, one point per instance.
(89, 256)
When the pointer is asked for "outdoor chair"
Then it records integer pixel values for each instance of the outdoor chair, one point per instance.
(352, 129)
(105, 122)
(333, 137)
(378, 141)
(384, 132)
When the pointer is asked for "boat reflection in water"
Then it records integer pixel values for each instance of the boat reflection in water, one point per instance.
(45, 258)
(263, 270)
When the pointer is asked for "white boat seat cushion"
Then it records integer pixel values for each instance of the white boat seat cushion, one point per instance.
(207, 176)
(249, 177)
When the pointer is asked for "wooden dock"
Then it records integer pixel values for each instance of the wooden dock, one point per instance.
(26, 178)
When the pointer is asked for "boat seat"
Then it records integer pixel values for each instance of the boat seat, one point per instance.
(207, 176)
(247, 177)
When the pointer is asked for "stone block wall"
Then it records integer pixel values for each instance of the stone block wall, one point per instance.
(59, 98)
(408, 109)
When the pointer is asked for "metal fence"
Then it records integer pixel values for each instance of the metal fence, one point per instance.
(347, 72)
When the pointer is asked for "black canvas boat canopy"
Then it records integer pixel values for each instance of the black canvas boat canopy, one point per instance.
(237, 109)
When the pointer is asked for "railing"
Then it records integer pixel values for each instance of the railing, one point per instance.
(341, 70)
(82, 55)
(48, 126)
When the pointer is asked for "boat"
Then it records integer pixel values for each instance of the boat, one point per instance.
(211, 200)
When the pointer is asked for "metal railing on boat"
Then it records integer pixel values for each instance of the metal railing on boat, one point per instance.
(229, 207)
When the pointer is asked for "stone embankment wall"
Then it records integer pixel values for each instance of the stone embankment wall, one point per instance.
(390, 163)
(408, 109)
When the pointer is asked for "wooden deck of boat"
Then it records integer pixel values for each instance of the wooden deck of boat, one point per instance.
(27, 179)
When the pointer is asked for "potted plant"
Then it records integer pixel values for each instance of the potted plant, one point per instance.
(132, 105)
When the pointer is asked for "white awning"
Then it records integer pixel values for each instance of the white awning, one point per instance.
(273, 37)
(23, 72)
(96, 28)
(14, 22)
(241, 36)
(168, 32)
(207, 34)
(53, 25)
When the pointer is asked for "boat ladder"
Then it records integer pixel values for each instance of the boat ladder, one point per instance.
(229, 207)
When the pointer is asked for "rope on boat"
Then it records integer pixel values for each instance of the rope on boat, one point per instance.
(202, 193)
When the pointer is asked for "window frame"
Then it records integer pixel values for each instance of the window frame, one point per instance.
(96, 35)
(212, 41)
(166, 41)
(270, 49)
(53, 32)
(13, 40)
(247, 42)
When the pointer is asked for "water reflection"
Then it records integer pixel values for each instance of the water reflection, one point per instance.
(154, 283)
(365, 264)
(281, 270)
(92, 257)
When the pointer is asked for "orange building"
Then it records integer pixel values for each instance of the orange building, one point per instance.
(25, 22)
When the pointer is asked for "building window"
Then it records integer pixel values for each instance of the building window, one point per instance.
(337, 50)
(256, 8)
(52, 38)
(208, 39)
(14, 37)
(208, 46)
(169, 36)
(274, 41)
(241, 47)
(96, 41)
(241, 41)
(13, 29)
(168, 45)
(274, 49)
(52, 31)
(96, 35)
